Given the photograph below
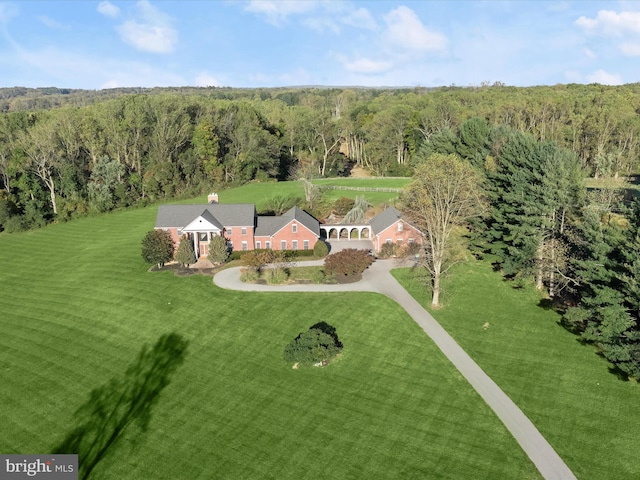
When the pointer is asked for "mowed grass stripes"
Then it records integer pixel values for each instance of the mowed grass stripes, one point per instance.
(587, 414)
(77, 304)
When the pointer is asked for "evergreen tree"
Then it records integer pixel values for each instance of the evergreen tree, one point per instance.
(157, 247)
(536, 192)
(218, 250)
(609, 274)
(185, 254)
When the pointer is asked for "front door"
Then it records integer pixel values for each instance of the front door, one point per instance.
(203, 241)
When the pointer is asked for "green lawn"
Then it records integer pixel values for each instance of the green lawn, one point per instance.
(260, 192)
(589, 416)
(77, 304)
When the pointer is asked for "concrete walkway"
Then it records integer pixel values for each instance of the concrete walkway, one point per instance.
(378, 279)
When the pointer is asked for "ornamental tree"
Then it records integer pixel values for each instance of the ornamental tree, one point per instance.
(157, 247)
(185, 254)
(218, 250)
(347, 263)
(318, 344)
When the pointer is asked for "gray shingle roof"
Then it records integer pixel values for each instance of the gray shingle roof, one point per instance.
(385, 219)
(268, 226)
(227, 215)
(304, 218)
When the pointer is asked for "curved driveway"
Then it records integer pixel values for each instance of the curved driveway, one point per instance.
(378, 279)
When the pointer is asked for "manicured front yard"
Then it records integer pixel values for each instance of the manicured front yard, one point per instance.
(78, 304)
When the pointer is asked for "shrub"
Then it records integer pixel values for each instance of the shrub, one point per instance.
(388, 250)
(320, 249)
(249, 275)
(318, 344)
(185, 254)
(276, 275)
(342, 205)
(157, 247)
(409, 249)
(218, 250)
(349, 262)
(257, 259)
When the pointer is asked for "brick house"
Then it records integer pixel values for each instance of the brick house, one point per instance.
(390, 226)
(239, 224)
(245, 230)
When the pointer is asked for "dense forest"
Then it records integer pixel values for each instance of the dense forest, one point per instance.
(66, 153)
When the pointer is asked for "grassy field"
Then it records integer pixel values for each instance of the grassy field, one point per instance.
(260, 193)
(77, 304)
(589, 415)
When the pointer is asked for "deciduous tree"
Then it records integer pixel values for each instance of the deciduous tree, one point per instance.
(445, 194)
(157, 247)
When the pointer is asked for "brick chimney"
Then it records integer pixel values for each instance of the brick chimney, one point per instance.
(212, 198)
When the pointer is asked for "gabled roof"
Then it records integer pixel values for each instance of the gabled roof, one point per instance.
(222, 215)
(268, 226)
(205, 222)
(385, 219)
(304, 218)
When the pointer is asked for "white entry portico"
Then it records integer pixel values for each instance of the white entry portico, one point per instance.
(201, 231)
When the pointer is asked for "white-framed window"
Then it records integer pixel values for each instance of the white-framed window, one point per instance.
(283, 244)
(411, 240)
(245, 247)
(244, 231)
(400, 226)
(305, 244)
(294, 228)
(179, 232)
(294, 245)
(389, 241)
(229, 231)
(267, 245)
(258, 244)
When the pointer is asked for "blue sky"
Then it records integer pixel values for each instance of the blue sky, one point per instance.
(104, 44)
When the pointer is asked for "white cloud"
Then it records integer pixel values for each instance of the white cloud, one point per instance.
(589, 53)
(604, 78)
(630, 49)
(328, 15)
(276, 12)
(153, 33)
(360, 18)
(366, 65)
(206, 80)
(108, 9)
(51, 23)
(405, 31)
(611, 23)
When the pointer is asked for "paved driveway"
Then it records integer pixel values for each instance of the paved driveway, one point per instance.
(378, 279)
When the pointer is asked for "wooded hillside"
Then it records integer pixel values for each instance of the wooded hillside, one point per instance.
(69, 152)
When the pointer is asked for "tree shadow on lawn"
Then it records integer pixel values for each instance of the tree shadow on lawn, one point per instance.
(114, 407)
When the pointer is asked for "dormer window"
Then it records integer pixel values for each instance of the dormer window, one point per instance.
(294, 228)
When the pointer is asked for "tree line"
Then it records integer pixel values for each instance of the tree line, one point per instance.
(95, 151)
(521, 202)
